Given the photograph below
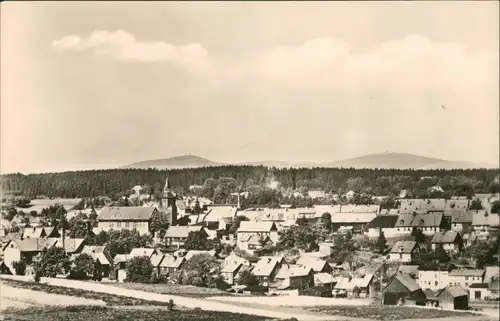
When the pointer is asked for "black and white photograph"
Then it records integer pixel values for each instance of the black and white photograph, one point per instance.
(249, 160)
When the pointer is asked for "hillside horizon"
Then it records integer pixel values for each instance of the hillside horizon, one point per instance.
(370, 161)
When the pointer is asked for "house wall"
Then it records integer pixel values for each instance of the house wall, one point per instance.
(388, 232)
(141, 226)
(235, 260)
(403, 230)
(301, 282)
(464, 281)
(11, 254)
(478, 294)
(433, 280)
(400, 257)
(175, 241)
(228, 277)
(243, 236)
(430, 230)
(448, 247)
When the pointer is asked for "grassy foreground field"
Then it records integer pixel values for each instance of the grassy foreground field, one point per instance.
(90, 313)
(387, 313)
(110, 299)
(174, 289)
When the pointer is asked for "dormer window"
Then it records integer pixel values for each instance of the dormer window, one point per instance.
(401, 222)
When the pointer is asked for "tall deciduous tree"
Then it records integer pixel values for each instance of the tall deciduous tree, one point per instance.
(159, 220)
(201, 270)
(344, 249)
(139, 269)
(196, 240)
(53, 261)
(82, 267)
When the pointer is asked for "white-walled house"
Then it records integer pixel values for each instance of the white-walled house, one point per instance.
(466, 277)
(450, 241)
(249, 229)
(460, 220)
(483, 221)
(434, 280)
(126, 218)
(428, 223)
(384, 223)
(27, 249)
(404, 251)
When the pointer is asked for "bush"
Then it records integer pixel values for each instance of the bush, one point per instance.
(154, 279)
(38, 276)
(20, 267)
(170, 305)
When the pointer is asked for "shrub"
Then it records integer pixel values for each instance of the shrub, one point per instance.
(154, 279)
(38, 275)
(170, 305)
(20, 267)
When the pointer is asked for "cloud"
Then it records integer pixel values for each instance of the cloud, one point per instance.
(413, 64)
(124, 46)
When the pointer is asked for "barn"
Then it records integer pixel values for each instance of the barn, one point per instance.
(403, 289)
(453, 298)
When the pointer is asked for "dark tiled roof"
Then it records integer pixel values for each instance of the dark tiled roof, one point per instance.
(383, 221)
(404, 247)
(134, 213)
(454, 290)
(445, 237)
(459, 216)
(408, 282)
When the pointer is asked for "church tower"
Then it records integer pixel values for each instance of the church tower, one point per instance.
(168, 203)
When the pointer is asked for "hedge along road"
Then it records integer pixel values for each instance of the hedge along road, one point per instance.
(178, 300)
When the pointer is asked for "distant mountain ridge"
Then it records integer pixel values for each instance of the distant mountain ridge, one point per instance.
(185, 161)
(381, 160)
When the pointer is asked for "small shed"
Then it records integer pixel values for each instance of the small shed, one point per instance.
(453, 297)
(319, 291)
(402, 289)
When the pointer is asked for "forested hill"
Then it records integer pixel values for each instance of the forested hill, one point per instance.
(117, 182)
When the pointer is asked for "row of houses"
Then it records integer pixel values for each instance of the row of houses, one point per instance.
(310, 274)
(404, 290)
(479, 284)
(433, 222)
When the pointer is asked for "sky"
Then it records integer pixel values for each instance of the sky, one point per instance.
(89, 85)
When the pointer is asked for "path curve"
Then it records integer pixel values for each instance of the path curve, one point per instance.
(183, 301)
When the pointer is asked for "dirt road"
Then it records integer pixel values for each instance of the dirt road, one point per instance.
(183, 301)
(22, 298)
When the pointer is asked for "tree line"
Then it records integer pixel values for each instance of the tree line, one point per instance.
(264, 185)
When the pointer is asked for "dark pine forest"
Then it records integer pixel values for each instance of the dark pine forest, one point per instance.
(218, 183)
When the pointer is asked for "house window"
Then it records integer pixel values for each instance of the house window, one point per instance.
(111, 225)
(435, 283)
(466, 278)
(127, 225)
